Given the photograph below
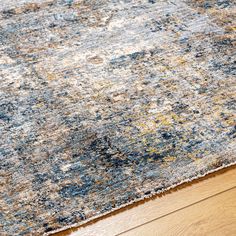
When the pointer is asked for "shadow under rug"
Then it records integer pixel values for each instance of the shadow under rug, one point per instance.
(104, 103)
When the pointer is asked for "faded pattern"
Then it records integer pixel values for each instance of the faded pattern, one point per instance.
(103, 102)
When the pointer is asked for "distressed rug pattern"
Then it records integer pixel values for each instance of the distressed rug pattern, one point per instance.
(105, 102)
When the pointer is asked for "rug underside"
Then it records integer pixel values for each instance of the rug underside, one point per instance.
(104, 103)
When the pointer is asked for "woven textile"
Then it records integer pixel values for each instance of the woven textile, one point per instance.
(105, 102)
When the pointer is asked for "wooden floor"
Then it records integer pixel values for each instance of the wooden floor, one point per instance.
(203, 207)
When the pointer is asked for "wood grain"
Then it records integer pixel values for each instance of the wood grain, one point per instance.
(214, 216)
(159, 206)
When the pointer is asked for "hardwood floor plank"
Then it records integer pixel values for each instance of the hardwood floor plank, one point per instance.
(213, 216)
(139, 213)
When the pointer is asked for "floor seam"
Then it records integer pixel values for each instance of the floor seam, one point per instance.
(214, 195)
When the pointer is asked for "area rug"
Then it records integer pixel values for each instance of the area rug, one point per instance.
(106, 102)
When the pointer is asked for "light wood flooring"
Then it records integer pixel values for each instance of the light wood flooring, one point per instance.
(203, 207)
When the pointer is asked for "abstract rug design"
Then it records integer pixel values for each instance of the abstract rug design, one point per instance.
(106, 102)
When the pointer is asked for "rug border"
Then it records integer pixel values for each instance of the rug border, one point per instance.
(140, 199)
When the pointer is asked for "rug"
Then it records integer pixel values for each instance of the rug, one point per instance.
(107, 102)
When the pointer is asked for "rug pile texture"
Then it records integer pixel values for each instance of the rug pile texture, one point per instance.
(106, 102)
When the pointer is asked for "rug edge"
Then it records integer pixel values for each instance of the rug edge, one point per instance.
(224, 166)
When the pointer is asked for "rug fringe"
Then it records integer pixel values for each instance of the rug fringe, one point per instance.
(152, 193)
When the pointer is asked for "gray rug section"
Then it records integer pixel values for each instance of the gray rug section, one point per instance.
(103, 103)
